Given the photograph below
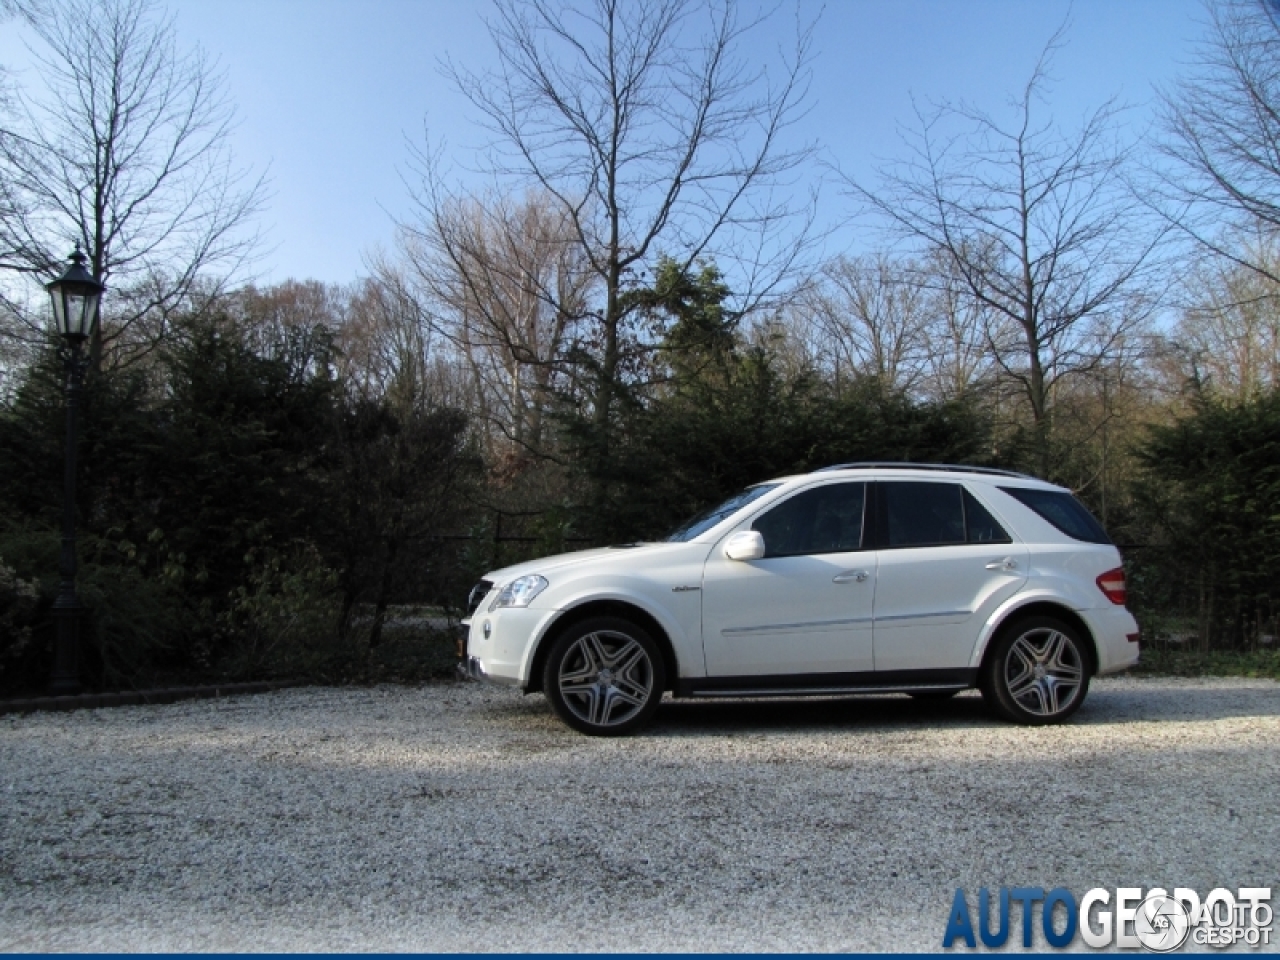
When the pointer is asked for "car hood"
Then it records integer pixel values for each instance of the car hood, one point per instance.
(601, 556)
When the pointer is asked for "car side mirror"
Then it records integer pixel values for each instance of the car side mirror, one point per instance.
(745, 545)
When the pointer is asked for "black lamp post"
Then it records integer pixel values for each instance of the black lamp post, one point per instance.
(76, 297)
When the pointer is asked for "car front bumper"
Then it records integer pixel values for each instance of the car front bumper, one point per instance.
(472, 668)
(500, 643)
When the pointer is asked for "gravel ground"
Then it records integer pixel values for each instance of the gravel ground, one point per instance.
(463, 817)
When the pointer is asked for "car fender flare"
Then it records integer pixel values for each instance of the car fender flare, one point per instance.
(676, 635)
(1009, 608)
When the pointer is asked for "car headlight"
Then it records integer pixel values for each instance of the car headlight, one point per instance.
(519, 592)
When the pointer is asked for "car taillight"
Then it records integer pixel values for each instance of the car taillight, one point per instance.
(1112, 584)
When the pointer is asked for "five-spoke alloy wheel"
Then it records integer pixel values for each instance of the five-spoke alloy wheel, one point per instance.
(604, 676)
(1038, 671)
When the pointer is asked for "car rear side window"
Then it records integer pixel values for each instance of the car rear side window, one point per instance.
(826, 519)
(980, 526)
(1063, 511)
(921, 514)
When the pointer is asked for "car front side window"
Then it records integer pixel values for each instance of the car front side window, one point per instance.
(826, 519)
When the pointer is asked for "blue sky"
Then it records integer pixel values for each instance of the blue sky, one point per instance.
(328, 90)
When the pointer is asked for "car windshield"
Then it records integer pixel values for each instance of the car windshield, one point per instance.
(709, 518)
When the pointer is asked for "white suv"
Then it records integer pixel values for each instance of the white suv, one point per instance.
(863, 578)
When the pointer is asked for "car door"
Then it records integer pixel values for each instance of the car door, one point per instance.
(806, 606)
(944, 564)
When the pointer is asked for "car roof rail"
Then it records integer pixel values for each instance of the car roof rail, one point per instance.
(939, 467)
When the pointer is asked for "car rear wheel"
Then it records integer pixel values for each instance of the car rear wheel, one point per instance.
(1038, 671)
(604, 676)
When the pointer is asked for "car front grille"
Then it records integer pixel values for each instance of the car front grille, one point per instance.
(477, 594)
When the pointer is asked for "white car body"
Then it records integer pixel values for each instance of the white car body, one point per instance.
(915, 618)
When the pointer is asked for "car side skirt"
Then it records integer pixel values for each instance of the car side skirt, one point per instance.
(829, 684)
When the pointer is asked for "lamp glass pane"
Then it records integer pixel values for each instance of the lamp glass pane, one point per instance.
(78, 307)
(59, 312)
(92, 303)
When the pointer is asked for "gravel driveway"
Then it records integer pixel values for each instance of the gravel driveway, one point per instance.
(462, 817)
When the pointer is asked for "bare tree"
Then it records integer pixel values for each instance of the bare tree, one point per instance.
(869, 312)
(1039, 227)
(128, 155)
(266, 316)
(389, 347)
(1223, 125)
(644, 126)
(1228, 336)
(958, 331)
(506, 285)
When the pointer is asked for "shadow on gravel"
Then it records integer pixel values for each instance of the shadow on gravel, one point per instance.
(1172, 702)
(694, 717)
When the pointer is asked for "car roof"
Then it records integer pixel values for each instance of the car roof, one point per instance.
(903, 468)
(928, 467)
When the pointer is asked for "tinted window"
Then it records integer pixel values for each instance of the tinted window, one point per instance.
(821, 520)
(980, 525)
(922, 514)
(709, 518)
(1063, 511)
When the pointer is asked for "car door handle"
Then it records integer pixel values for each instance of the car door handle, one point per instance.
(1008, 563)
(850, 576)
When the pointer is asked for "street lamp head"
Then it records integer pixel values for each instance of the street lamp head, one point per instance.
(76, 297)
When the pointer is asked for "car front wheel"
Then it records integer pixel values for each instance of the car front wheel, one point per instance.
(604, 676)
(1038, 672)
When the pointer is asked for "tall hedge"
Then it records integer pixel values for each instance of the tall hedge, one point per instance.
(1208, 504)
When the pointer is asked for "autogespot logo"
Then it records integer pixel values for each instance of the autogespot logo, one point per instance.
(1154, 919)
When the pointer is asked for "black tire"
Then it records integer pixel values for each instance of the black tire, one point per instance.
(1038, 671)
(604, 676)
(934, 695)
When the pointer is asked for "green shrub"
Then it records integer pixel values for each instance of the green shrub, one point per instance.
(284, 622)
(1217, 663)
(19, 602)
(1207, 504)
(130, 629)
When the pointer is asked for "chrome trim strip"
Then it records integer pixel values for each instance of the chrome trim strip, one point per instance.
(925, 616)
(738, 631)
